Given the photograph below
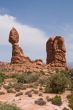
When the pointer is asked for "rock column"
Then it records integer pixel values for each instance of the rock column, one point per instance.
(17, 52)
(56, 52)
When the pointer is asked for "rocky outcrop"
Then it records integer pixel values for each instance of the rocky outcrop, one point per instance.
(38, 62)
(17, 52)
(56, 52)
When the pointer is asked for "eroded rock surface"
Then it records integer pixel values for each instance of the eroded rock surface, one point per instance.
(17, 52)
(56, 52)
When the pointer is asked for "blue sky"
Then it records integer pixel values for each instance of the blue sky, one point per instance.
(37, 20)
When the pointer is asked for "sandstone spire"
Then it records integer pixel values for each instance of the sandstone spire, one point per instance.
(56, 52)
(17, 52)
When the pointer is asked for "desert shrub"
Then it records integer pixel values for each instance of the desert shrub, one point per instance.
(18, 86)
(70, 99)
(42, 80)
(9, 86)
(40, 101)
(65, 108)
(4, 106)
(2, 77)
(69, 75)
(27, 77)
(14, 75)
(57, 100)
(56, 83)
(33, 85)
(2, 93)
(10, 90)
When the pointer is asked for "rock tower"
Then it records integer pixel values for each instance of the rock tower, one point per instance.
(56, 52)
(17, 52)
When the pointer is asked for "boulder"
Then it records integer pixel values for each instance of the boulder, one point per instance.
(13, 36)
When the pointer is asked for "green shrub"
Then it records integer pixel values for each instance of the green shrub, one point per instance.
(42, 80)
(65, 108)
(27, 77)
(57, 100)
(4, 106)
(69, 75)
(56, 83)
(2, 77)
(70, 99)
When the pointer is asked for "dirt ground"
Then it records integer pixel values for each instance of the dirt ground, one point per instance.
(27, 103)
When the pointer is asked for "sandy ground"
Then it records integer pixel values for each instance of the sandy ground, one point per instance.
(27, 103)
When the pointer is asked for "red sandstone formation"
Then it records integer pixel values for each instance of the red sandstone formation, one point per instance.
(17, 52)
(56, 52)
(39, 62)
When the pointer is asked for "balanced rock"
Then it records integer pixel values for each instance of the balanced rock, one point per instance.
(17, 52)
(13, 36)
(56, 52)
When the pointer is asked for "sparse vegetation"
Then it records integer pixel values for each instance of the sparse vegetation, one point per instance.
(10, 90)
(65, 108)
(27, 77)
(53, 83)
(56, 100)
(19, 86)
(70, 99)
(69, 75)
(56, 83)
(43, 79)
(4, 106)
(2, 77)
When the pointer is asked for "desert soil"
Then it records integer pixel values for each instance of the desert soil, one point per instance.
(27, 103)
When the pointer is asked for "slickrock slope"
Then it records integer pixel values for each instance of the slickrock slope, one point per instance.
(56, 52)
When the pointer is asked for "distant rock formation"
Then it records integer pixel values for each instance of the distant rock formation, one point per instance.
(56, 52)
(55, 48)
(17, 52)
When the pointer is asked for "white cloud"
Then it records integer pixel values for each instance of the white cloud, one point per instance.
(31, 39)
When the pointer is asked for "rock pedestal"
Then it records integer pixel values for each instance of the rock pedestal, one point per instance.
(17, 52)
(56, 52)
